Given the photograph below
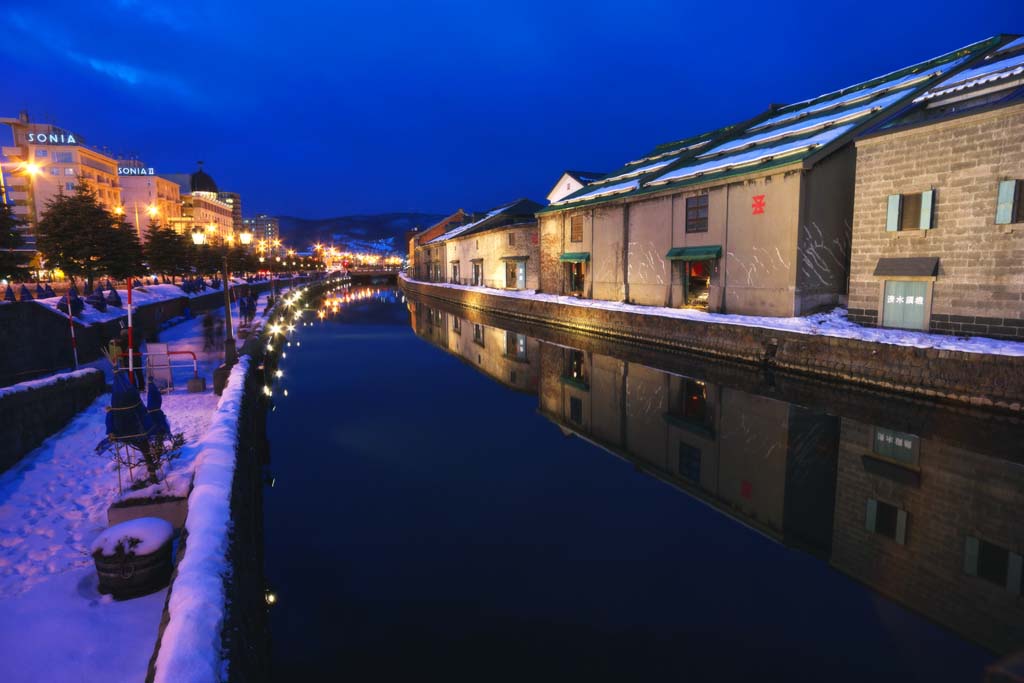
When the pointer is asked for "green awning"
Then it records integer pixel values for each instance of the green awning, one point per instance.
(575, 257)
(694, 253)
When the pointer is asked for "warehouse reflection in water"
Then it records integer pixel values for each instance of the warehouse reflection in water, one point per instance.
(919, 502)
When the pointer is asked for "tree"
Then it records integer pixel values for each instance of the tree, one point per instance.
(76, 233)
(123, 256)
(13, 263)
(166, 250)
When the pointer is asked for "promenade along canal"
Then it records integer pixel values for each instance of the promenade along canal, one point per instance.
(458, 500)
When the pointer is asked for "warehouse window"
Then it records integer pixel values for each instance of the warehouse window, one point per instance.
(1010, 204)
(576, 229)
(697, 213)
(993, 563)
(887, 520)
(910, 211)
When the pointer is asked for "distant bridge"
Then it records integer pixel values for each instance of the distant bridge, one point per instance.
(369, 274)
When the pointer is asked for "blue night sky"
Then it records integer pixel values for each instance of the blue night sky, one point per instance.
(321, 108)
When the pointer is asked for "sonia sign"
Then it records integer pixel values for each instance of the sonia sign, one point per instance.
(135, 170)
(53, 138)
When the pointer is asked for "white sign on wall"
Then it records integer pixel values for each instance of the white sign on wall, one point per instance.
(52, 138)
(133, 170)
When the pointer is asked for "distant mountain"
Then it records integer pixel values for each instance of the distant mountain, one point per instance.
(377, 232)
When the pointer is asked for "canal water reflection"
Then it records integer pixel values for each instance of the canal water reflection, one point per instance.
(456, 515)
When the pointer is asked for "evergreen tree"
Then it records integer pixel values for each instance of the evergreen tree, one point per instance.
(13, 263)
(123, 256)
(166, 250)
(76, 233)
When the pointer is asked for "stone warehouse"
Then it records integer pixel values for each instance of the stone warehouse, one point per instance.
(938, 230)
(499, 249)
(754, 218)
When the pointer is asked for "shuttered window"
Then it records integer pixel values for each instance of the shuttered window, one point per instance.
(1009, 204)
(910, 211)
(993, 563)
(576, 229)
(576, 410)
(886, 520)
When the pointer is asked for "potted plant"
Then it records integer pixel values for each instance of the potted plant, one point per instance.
(134, 558)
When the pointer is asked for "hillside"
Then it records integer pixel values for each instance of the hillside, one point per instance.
(378, 232)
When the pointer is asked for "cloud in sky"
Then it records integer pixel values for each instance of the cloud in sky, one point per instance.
(32, 36)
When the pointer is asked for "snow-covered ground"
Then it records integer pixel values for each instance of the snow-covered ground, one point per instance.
(54, 625)
(831, 324)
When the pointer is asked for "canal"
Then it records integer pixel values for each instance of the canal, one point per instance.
(455, 499)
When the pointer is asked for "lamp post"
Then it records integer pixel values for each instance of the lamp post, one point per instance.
(230, 351)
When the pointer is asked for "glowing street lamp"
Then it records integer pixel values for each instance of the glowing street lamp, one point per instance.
(198, 236)
(152, 211)
(245, 237)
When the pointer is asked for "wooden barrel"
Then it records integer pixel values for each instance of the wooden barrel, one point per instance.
(124, 572)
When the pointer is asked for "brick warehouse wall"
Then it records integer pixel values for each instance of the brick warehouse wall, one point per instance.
(979, 289)
(959, 492)
(951, 376)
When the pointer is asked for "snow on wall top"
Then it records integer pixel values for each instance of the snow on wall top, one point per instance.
(190, 649)
(455, 232)
(45, 381)
(593, 191)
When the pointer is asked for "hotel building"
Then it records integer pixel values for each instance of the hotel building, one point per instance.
(263, 227)
(45, 161)
(148, 198)
(234, 200)
(201, 206)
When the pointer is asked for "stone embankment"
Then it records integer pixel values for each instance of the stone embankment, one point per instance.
(993, 382)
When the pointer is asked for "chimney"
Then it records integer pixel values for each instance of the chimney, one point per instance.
(23, 115)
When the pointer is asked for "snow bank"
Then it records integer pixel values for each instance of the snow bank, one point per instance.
(140, 536)
(45, 381)
(831, 324)
(190, 650)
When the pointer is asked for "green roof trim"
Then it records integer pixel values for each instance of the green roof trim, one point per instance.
(708, 253)
(575, 257)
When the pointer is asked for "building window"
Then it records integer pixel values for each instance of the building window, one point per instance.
(515, 346)
(575, 370)
(887, 520)
(689, 463)
(478, 334)
(896, 446)
(910, 211)
(54, 170)
(62, 158)
(576, 229)
(512, 377)
(904, 304)
(1009, 203)
(511, 239)
(993, 563)
(478, 273)
(40, 153)
(576, 410)
(697, 213)
(456, 325)
(70, 187)
(69, 171)
(455, 273)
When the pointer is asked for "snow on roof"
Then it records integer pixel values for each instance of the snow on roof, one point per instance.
(987, 72)
(754, 156)
(640, 170)
(585, 177)
(1012, 45)
(455, 232)
(815, 105)
(602, 190)
(806, 125)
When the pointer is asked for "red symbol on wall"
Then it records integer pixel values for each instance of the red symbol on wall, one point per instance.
(534, 238)
(758, 205)
(746, 489)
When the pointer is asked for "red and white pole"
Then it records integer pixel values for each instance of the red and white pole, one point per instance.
(71, 324)
(131, 345)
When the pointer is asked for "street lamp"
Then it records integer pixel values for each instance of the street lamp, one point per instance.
(198, 236)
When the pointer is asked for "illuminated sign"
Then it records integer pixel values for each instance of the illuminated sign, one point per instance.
(135, 170)
(53, 138)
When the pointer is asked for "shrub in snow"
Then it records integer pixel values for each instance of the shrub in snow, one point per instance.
(134, 558)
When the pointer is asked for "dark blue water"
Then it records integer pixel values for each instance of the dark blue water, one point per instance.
(430, 522)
